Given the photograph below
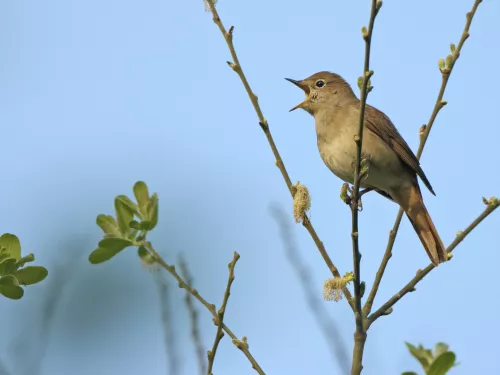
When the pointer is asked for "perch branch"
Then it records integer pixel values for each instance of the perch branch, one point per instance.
(425, 130)
(360, 334)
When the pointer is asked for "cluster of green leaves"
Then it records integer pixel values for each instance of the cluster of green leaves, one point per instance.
(133, 221)
(438, 362)
(13, 274)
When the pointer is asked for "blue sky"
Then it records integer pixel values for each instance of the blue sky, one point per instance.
(97, 95)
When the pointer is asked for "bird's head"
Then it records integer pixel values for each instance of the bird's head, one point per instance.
(323, 90)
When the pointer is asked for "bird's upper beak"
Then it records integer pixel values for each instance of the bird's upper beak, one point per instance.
(304, 87)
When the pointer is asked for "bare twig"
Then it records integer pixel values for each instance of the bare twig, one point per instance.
(236, 66)
(360, 334)
(193, 317)
(167, 322)
(440, 103)
(326, 323)
(240, 344)
(219, 320)
(492, 204)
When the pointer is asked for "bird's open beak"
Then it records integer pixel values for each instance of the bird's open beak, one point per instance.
(304, 87)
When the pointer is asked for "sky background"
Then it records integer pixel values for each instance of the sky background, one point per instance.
(95, 95)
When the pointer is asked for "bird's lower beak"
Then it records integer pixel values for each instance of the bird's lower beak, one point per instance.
(304, 87)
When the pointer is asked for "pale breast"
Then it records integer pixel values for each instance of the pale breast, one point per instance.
(338, 156)
(338, 151)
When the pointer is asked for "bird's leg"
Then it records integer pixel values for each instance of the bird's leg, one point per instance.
(346, 190)
(365, 167)
(346, 195)
(361, 193)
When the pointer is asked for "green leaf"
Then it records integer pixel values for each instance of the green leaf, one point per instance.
(145, 255)
(146, 225)
(31, 275)
(115, 243)
(152, 211)
(142, 195)
(108, 225)
(26, 259)
(422, 355)
(362, 288)
(108, 248)
(8, 280)
(9, 287)
(409, 373)
(134, 225)
(4, 254)
(128, 202)
(11, 244)
(442, 364)
(7, 266)
(132, 233)
(440, 348)
(101, 255)
(124, 215)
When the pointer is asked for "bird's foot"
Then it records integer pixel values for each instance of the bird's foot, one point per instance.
(345, 193)
(346, 196)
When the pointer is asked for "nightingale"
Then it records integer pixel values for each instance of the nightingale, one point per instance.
(392, 166)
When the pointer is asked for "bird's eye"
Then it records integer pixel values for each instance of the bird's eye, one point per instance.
(320, 83)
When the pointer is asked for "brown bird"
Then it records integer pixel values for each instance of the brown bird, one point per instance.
(393, 167)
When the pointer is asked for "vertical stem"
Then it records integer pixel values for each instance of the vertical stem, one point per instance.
(439, 104)
(360, 334)
(357, 355)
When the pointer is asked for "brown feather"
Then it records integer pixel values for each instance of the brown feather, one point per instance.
(414, 207)
(383, 127)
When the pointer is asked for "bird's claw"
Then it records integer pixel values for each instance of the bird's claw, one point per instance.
(346, 196)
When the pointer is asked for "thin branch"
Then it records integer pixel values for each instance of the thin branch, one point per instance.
(425, 130)
(240, 344)
(326, 323)
(193, 317)
(219, 320)
(167, 322)
(236, 66)
(383, 264)
(360, 334)
(492, 204)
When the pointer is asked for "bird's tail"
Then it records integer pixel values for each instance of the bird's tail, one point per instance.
(423, 225)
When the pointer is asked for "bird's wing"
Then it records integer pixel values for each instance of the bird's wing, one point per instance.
(383, 127)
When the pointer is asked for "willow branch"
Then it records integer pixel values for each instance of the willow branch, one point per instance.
(236, 66)
(240, 344)
(492, 204)
(220, 315)
(193, 317)
(360, 334)
(424, 135)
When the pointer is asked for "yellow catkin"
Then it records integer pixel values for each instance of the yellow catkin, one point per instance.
(301, 202)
